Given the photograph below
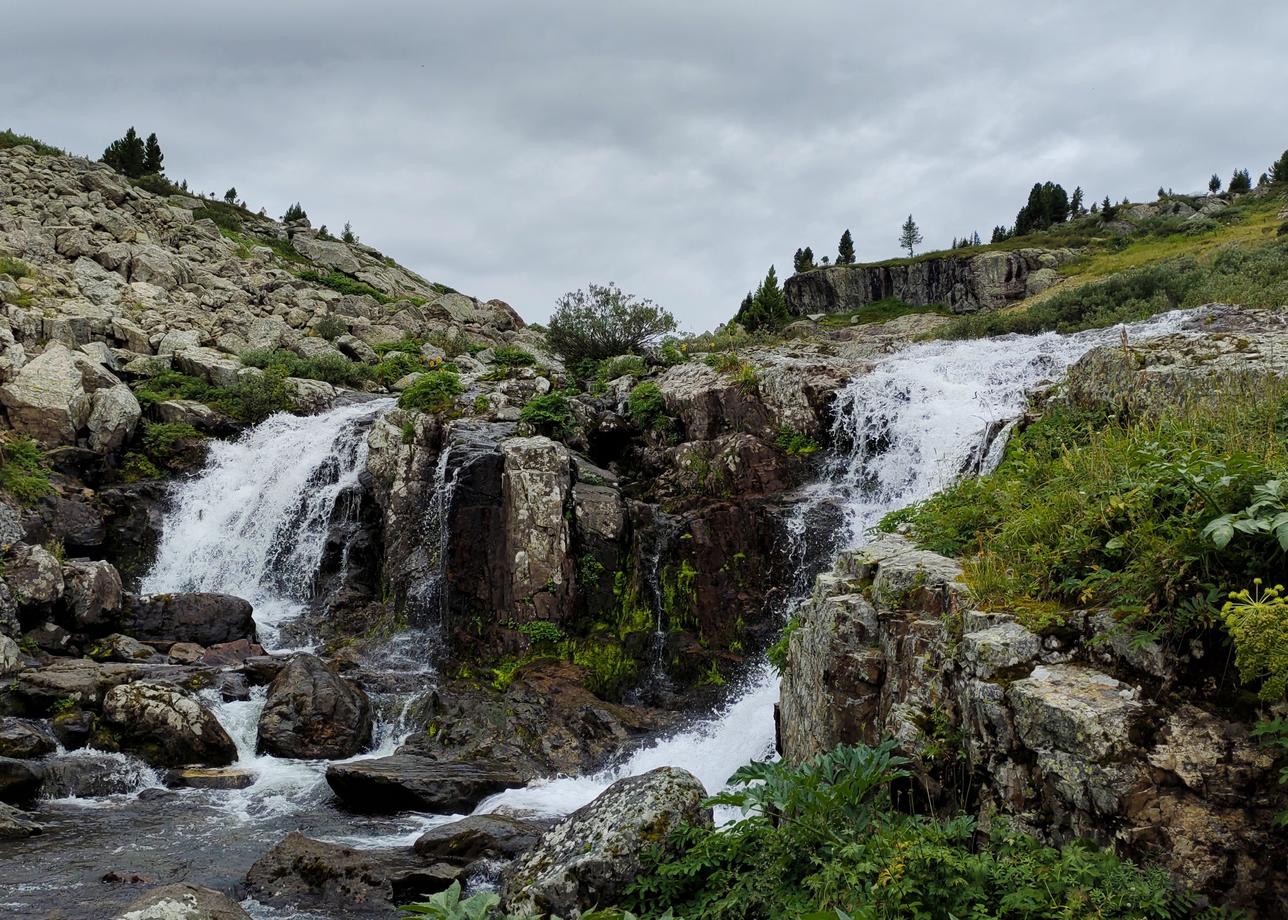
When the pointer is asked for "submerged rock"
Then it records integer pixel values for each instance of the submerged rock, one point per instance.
(313, 713)
(478, 837)
(166, 726)
(15, 825)
(182, 902)
(408, 781)
(591, 856)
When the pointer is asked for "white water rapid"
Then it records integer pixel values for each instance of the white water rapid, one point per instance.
(919, 420)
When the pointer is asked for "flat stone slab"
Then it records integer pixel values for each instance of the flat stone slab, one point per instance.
(409, 782)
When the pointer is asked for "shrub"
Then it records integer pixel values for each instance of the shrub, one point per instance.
(508, 356)
(610, 671)
(647, 407)
(620, 366)
(542, 633)
(171, 445)
(603, 322)
(330, 368)
(14, 268)
(823, 840)
(550, 414)
(435, 392)
(23, 473)
(795, 443)
(10, 139)
(456, 344)
(253, 399)
(397, 365)
(345, 285)
(331, 327)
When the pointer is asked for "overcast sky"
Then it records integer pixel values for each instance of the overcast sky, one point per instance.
(521, 149)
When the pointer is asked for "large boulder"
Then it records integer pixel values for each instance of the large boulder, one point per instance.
(313, 713)
(92, 591)
(409, 781)
(478, 837)
(25, 739)
(213, 366)
(331, 254)
(203, 618)
(166, 726)
(33, 575)
(19, 780)
(343, 882)
(46, 399)
(182, 902)
(592, 855)
(114, 415)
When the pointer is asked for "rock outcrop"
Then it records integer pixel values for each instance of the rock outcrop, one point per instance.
(589, 857)
(962, 284)
(1058, 731)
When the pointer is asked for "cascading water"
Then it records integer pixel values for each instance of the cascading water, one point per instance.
(919, 420)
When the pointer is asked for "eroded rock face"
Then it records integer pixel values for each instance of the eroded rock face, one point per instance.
(888, 644)
(166, 726)
(535, 490)
(963, 284)
(313, 713)
(592, 855)
(182, 902)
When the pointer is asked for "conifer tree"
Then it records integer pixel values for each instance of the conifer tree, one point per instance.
(845, 249)
(126, 155)
(975, 240)
(294, 212)
(1214, 184)
(347, 234)
(1278, 172)
(230, 196)
(910, 236)
(1108, 210)
(1075, 203)
(1240, 182)
(152, 156)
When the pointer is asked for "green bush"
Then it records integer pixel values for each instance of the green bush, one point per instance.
(509, 357)
(253, 399)
(23, 473)
(435, 392)
(172, 385)
(345, 285)
(603, 322)
(330, 368)
(550, 414)
(620, 366)
(647, 407)
(10, 139)
(398, 364)
(823, 840)
(456, 344)
(224, 216)
(610, 671)
(795, 443)
(1090, 510)
(14, 268)
(331, 327)
(171, 444)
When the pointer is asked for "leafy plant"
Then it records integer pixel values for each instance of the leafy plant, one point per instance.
(508, 356)
(647, 407)
(620, 366)
(1266, 516)
(603, 321)
(23, 473)
(448, 905)
(397, 365)
(542, 633)
(777, 653)
(1257, 621)
(795, 443)
(332, 368)
(434, 392)
(1273, 734)
(331, 327)
(550, 414)
(14, 268)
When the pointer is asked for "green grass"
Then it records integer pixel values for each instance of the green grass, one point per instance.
(14, 268)
(1088, 509)
(9, 139)
(23, 473)
(250, 400)
(879, 311)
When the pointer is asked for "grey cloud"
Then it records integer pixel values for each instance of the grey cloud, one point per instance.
(518, 150)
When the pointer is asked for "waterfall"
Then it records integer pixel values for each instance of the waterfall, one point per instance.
(919, 420)
(254, 522)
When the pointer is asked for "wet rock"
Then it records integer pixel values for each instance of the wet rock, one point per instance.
(90, 774)
(592, 855)
(185, 653)
(201, 618)
(24, 739)
(210, 778)
(535, 489)
(312, 875)
(312, 712)
(478, 837)
(232, 653)
(182, 902)
(14, 825)
(10, 657)
(92, 591)
(166, 726)
(73, 728)
(33, 575)
(408, 781)
(49, 638)
(19, 780)
(117, 647)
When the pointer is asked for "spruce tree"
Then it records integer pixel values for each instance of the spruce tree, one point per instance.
(910, 236)
(845, 249)
(152, 156)
(809, 258)
(1240, 182)
(1214, 184)
(1263, 180)
(771, 300)
(1075, 203)
(1278, 173)
(348, 235)
(975, 240)
(1108, 210)
(126, 155)
(294, 212)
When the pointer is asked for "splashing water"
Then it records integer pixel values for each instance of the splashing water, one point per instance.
(254, 523)
(918, 421)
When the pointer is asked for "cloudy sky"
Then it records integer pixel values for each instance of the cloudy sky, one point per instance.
(521, 149)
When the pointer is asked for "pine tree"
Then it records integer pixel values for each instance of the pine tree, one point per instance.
(347, 234)
(954, 243)
(845, 249)
(1263, 180)
(910, 237)
(1048, 204)
(809, 258)
(230, 196)
(152, 156)
(1214, 184)
(826, 261)
(1108, 210)
(975, 239)
(1240, 182)
(1075, 203)
(1278, 173)
(294, 212)
(126, 155)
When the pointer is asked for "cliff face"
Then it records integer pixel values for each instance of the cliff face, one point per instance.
(1063, 734)
(967, 284)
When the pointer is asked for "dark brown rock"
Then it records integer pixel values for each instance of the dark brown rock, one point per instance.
(409, 781)
(25, 739)
(478, 837)
(202, 618)
(312, 712)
